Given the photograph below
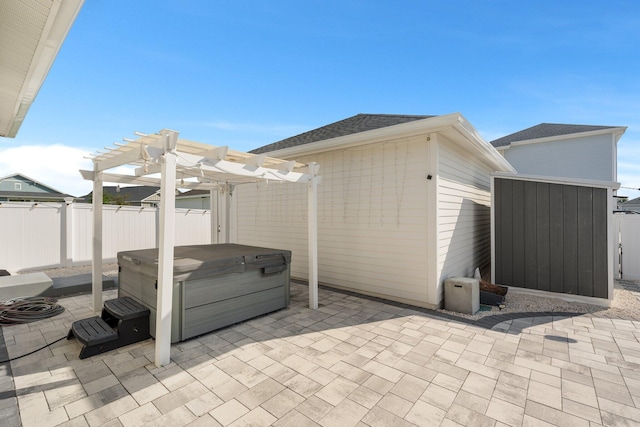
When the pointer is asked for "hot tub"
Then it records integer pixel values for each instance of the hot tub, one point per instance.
(213, 285)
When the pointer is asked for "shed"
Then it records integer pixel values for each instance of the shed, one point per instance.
(404, 204)
(554, 235)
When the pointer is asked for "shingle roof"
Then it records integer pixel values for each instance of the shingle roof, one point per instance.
(194, 193)
(544, 130)
(131, 194)
(356, 124)
(33, 195)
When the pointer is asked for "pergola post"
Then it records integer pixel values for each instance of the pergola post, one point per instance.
(227, 211)
(166, 249)
(213, 219)
(96, 259)
(312, 225)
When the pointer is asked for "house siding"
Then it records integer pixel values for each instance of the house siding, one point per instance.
(372, 222)
(464, 214)
(580, 158)
(25, 185)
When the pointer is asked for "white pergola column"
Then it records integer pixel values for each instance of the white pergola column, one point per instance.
(312, 225)
(165, 251)
(96, 260)
(227, 212)
(214, 220)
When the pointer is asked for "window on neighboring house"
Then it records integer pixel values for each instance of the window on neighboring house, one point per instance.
(18, 186)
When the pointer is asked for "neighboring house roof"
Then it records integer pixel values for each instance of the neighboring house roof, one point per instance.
(32, 34)
(30, 195)
(546, 130)
(193, 193)
(39, 191)
(133, 195)
(356, 124)
(633, 204)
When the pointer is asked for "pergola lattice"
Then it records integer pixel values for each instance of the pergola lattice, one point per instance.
(192, 165)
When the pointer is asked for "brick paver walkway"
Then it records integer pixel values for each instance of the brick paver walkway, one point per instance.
(353, 362)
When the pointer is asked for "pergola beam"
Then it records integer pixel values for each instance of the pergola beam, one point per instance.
(145, 180)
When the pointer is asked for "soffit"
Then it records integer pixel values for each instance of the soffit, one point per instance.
(31, 34)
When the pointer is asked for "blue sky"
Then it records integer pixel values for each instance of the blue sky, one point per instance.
(248, 73)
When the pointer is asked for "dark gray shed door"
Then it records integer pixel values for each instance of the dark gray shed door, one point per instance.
(551, 237)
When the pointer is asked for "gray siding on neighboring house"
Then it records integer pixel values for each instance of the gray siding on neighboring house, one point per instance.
(581, 157)
(18, 183)
(193, 202)
(20, 188)
(551, 237)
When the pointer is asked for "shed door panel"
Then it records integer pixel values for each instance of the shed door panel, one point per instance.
(551, 237)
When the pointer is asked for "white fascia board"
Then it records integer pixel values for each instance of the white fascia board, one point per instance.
(616, 131)
(559, 180)
(404, 130)
(488, 151)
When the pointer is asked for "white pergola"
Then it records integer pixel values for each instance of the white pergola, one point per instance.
(191, 165)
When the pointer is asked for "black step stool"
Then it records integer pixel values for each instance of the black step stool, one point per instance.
(123, 321)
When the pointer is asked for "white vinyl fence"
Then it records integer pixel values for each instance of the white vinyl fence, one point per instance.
(627, 234)
(56, 234)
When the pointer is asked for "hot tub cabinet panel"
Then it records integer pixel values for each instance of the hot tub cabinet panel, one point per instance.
(214, 285)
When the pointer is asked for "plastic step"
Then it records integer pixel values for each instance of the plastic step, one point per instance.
(93, 331)
(125, 308)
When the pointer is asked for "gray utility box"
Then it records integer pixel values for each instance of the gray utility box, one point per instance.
(462, 294)
(213, 285)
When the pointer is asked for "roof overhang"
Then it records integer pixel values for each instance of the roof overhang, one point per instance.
(454, 126)
(31, 34)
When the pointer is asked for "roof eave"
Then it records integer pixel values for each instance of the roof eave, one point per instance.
(404, 130)
(55, 31)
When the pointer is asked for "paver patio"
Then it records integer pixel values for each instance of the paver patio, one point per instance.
(355, 361)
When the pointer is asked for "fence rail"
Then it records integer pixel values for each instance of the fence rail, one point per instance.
(36, 235)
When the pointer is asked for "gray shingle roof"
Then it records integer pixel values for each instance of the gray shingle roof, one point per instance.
(356, 124)
(194, 193)
(33, 195)
(544, 130)
(133, 194)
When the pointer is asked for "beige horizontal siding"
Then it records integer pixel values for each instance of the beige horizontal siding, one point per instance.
(372, 225)
(464, 218)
